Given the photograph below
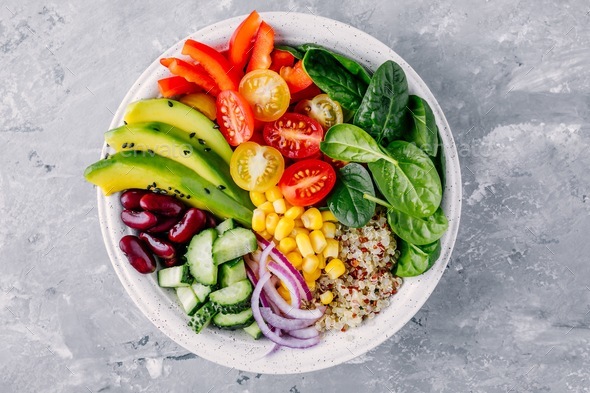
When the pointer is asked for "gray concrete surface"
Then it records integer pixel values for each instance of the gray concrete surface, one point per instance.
(512, 312)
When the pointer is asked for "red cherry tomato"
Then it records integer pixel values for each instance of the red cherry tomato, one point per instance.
(294, 135)
(307, 182)
(235, 118)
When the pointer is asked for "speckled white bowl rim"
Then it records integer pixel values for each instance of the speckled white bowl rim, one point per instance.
(236, 349)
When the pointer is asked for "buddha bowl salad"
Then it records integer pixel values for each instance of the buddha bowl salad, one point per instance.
(282, 190)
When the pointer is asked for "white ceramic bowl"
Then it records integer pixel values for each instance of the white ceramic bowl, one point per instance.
(236, 349)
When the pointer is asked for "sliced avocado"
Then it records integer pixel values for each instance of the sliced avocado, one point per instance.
(171, 142)
(137, 169)
(181, 116)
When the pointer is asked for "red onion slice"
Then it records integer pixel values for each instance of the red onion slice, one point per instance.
(264, 258)
(284, 323)
(304, 333)
(287, 309)
(288, 281)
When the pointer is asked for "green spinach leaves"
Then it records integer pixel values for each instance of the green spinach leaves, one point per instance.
(424, 132)
(382, 112)
(347, 202)
(346, 142)
(415, 260)
(418, 230)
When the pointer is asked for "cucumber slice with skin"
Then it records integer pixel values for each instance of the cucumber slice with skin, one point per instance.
(188, 299)
(254, 330)
(225, 226)
(202, 317)
(232, 299)
(176, 276)
(201, 291)
(200, 259)
(233, 244)
(232, 272)
(234, 321)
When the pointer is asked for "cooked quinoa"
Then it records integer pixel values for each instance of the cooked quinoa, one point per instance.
(364, 290)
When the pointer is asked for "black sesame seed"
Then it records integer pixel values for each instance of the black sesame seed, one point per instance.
(170, 188)
(155, 128)
(181, 195)
(150, 151)
(131, 145)
(221, 187)
(207, 190)
(215, 126)
(176, 191)
(188, 197)
(201, 141)
(108, 145)
(170, 104)
(106, 156)
(207, 149)
(124, 122)
(154, 183)
(192, 134)
(186, 152)
(124, 145)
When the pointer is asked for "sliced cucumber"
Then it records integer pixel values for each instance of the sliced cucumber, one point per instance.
(232, 299)
(254, 330)
(232, 272)
(233, 244)
(200, 258)
(202, 291)
(225, 226)
(176, 276)
(188, 299)
(234, 321)
(202, 317)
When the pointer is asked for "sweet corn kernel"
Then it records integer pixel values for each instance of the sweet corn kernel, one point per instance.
(299, 223)
(318, 241)
(326, 297)
(322, 260)
(285, 294)
(304, 244)
(284, 228)
(295, 258)
(310, 264)
(313, 276)
(294, 212)
(273, 193)
(265, 235)
(297, 230)
(327, 215)
(287, 245)
(258, 220)
(331, 249)
(335, 268)
(311, 285)
(272, 219)
(267, 207)
(312, 219)
(329, 230)
(257, 198)
(280, 206)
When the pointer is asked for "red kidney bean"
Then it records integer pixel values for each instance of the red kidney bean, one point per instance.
(164, 224)
(138, 254)
(138, 220)
(170, 262)
(161, 204)
(160, 247)
(193, 221)
(211, 220)
(130, 198)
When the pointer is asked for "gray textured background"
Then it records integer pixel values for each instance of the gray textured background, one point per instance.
(510, 314)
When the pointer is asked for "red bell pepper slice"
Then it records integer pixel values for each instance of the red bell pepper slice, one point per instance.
(177, 85)
(240, 44)
(279, 59)
(305, 94)
(263, 46)
(296, 77)
(193, 73)
(226, 75)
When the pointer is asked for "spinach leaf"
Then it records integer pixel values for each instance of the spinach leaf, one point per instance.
(352, 66)
(424, 132)
(294, 51)
(416, 230)
(415, 260)
(333, 78)
(346, 142)
(382, 112)
(409, 180)
(347, 202)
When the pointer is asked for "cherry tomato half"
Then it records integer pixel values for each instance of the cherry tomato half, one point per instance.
(307, 182)
(294, 135)
(256, 168)
(323, 109)
(234, 117)
(267, 93)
